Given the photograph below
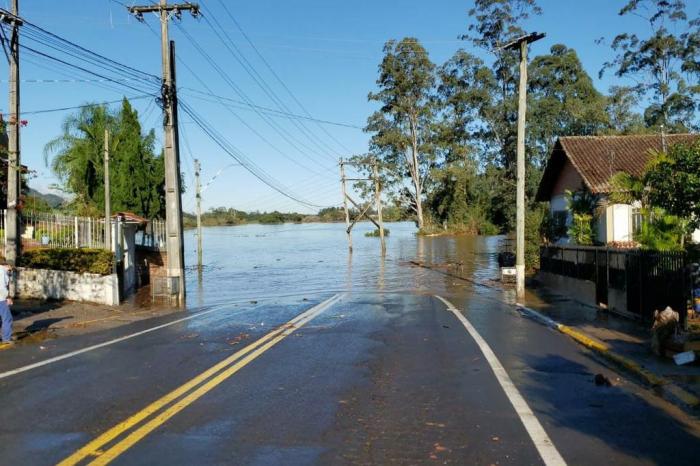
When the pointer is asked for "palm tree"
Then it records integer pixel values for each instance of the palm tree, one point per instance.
(76, 156)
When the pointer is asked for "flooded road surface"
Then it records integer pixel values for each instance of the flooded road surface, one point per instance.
(271, 261)
(293, 354)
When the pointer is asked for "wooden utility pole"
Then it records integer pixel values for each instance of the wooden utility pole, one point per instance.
(363, 211)
(173, 199)
(521, 43)
(13, 242)
(345, 204)
(108, 196)
(378, 204)
(198, 196)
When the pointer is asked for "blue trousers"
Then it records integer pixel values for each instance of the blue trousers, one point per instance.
(6, 317)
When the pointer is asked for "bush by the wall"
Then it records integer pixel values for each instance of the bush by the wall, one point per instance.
(98, 261)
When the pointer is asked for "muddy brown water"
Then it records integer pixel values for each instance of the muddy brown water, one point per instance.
(253, 262)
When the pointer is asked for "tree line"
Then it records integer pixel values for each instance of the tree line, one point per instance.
(445, 134)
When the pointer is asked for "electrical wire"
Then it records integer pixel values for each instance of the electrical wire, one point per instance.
(276, 76)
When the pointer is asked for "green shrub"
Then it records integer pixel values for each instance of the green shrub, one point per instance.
(581, 229)
(375, 233)
(98, 261)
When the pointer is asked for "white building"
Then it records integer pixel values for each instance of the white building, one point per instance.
(588, 163)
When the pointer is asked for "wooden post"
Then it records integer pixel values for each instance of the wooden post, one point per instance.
(345, 204)
(378, 203)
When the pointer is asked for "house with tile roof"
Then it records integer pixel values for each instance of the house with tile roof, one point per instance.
(589, 163)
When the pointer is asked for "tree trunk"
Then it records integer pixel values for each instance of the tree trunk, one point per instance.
(415, 173)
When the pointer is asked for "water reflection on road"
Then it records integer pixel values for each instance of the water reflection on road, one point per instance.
(277, 261)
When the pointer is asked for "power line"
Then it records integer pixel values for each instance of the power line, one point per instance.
(274, 73)
(237, 155)
(242, 104)
(291, 140)
(236, 89)
(75, 107)
(260, 81)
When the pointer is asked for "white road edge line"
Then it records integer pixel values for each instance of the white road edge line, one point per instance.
(72, 354)
(548, 452)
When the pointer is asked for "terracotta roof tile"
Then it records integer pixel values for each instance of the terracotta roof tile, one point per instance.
(598, 158)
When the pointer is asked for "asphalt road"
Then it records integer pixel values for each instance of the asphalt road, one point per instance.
(353, 379)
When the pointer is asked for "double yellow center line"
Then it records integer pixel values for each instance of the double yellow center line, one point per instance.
(104, 449)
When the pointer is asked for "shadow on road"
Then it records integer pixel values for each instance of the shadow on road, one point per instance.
(625, 421)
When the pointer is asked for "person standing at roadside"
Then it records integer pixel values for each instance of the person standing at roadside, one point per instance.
(5, 303)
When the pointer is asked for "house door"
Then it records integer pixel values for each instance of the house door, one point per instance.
(601, 277)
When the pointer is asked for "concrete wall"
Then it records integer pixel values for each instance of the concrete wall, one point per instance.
(61, 285)
(580, 290)
(584, 291)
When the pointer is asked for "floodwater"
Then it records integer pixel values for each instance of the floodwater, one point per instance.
(297, 261)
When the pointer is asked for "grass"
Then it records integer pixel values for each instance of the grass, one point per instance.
(375, 233)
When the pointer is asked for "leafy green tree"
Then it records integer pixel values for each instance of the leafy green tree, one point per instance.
(402, 129)
(77, 159)
(664, 64)
(138, 175)
(563, 102)
(674, 183)
(495, 22)
(622, 116)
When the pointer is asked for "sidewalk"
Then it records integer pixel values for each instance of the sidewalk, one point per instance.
(36, 322)
(624, 341)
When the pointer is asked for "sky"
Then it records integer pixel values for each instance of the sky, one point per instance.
(324, 52)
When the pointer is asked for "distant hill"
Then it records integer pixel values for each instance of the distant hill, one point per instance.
(53, 200)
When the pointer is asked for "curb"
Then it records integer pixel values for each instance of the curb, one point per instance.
(675, 392)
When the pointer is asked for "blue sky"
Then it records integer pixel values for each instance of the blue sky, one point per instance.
(325, 52)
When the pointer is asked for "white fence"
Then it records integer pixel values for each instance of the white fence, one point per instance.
(45, 230)
(58, 231)
(153, 236)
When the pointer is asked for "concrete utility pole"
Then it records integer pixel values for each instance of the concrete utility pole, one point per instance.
(108, 196)
(345, 204)
(173, 199)
(198, 195)
(521, 43)
(14, 177)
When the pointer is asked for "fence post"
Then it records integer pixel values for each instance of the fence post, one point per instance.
(76, 235)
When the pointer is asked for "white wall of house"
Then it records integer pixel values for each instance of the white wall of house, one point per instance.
(620, 228)
(696, 236)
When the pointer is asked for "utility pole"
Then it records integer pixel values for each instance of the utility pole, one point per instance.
(378, 204)
(173, 200)
(345, 204)
(198, 188)
(108, 196)
(521, 43)
(14, 178)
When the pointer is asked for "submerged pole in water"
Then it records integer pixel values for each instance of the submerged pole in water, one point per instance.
(345, 204)
(197, 169)
(378, 201)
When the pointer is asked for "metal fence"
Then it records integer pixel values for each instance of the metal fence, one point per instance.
(651, 279)
(46, 230)
(153, 236)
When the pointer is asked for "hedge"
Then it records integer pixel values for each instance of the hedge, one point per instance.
(98, 261)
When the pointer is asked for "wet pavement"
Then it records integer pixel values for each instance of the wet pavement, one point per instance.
(382, 374)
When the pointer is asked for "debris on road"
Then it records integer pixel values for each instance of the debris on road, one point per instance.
(602, 381)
